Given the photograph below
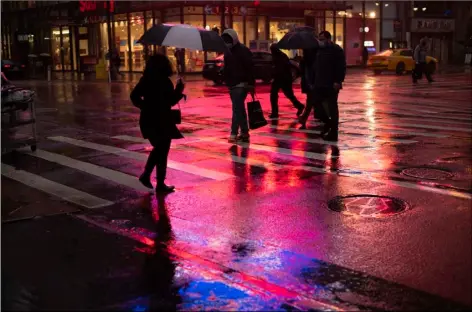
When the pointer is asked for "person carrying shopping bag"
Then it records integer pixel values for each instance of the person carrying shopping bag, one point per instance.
(239, 77)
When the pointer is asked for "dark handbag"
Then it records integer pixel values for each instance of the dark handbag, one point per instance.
(255, 115)
(176, 114)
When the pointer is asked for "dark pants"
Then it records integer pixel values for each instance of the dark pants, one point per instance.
(158, 158)
(420, 69)
(327, 98)
(325, 102)
(239, 119)
(312, 102)
(287, 89)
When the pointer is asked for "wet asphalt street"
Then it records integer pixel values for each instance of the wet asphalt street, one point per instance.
(380, 220)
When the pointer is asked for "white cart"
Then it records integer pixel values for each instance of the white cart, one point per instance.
(18, 110)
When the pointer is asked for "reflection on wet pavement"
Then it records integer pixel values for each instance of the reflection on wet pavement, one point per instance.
(249, 227)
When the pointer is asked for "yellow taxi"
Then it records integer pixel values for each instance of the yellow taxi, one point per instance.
(397, 60)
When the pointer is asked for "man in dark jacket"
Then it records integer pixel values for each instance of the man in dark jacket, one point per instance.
(239, 77)
(307, 66)
(282, 80)
(328, 75)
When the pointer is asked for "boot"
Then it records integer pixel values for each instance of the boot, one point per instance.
(163, 188)
(244, 138)
(300, 109)
(325, 130)
(145, 179)
(332, 135)
(302, 120)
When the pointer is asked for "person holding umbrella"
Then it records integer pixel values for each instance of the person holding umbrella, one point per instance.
(329, 70)
(239, 77)
(155, 95)
(282, 80)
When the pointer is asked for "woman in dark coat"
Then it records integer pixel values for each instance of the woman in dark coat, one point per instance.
(155, 95)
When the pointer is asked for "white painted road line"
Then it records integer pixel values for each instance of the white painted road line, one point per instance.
(101, 172)
(280, 150)
(233, 158)
(350, 129)
(359, 173)
(207, 173)
(50, 187)
(321, 141)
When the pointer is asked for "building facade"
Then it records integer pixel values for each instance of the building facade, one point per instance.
(78, 33)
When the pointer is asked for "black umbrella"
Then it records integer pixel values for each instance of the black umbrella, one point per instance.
(299, 38)
(183, 37)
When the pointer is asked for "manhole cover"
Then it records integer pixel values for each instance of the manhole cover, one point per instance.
(427, 173)
(368, 206)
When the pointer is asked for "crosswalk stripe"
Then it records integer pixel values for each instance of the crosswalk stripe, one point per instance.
(259, 147)
(207, 173)
(62, 191)
(344, 172)
(234, 158)
(369, 140)
(321, 141)
(396, 123)
(102, 172)
(346, 128)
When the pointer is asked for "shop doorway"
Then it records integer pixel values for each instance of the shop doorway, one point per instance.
(440, 49)
(62, 50)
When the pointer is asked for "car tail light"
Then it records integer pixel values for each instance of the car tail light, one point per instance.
(7, 65)
(220, 64)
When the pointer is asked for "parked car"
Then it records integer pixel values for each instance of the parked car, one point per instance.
(213, 69)
(13, 69)
(397, 60)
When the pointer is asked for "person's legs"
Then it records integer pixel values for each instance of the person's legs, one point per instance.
(319, 111)
(151, 162)
(331, 100)
(427, 72)
(309, 106)
(234, 117)
(239, 121)
(162, 154)
(287, 88)
(274, 98)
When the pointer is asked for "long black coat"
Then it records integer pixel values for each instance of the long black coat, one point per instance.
(155, 96)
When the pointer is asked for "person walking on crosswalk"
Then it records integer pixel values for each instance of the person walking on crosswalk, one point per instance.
(239, 77)
(282, 81)
(329, 71)
(421, 67)
(155, 95)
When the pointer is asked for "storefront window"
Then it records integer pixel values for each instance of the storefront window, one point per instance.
(212, 22)
(250, 29)
(278, 29)
(137, 49)
(361, 32)
(172, 19)
(149, 22)
(194, 59)
(104, 42)
(339, 31)
(74, 43)
(329, 22)
(56, 48)
(238, 26)
(66, 48)
(121, 41)
(261, 28)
